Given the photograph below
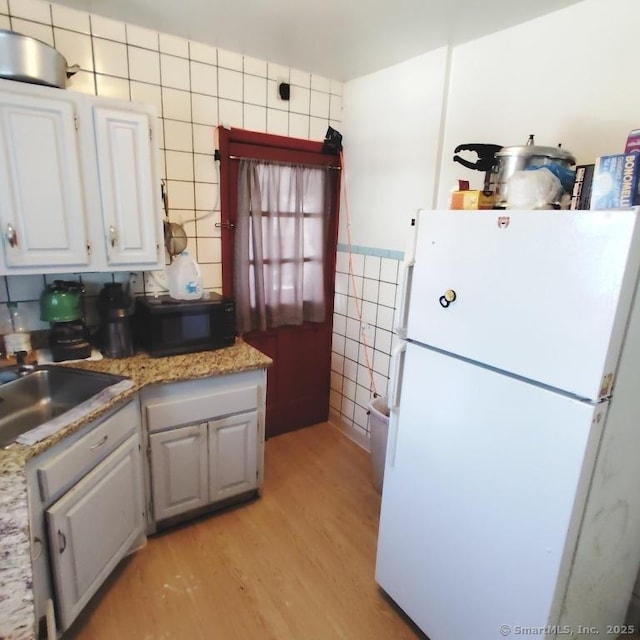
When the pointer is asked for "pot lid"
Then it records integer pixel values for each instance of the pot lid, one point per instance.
(531, 149)
(526, 151)
(65, 286)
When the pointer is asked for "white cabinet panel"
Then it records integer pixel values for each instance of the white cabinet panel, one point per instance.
(179, 470)
(233, 464)
(93, 527)
(79, 182)
(41, 186)
(129, 204)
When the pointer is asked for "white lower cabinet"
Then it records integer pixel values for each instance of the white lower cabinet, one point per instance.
(86, 510)
(93, 527)
(179, 459)
(206, 442)
(233, 443)
(197, 465)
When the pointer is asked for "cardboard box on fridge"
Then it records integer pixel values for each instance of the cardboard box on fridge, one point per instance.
(615, 181)
(472, 199)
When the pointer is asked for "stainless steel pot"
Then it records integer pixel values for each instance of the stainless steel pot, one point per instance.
(512, 159)
(26, 59)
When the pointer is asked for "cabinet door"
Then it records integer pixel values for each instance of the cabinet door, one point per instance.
(93, 526)
(179, 470)
(42, 213)
(233, 464)
(130, 211)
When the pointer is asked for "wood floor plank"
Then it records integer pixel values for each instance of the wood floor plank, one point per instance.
(295, 564)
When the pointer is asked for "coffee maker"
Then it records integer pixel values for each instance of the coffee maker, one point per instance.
(115, 308)
(61, 306)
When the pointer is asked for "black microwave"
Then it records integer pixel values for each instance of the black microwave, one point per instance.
(168, 327)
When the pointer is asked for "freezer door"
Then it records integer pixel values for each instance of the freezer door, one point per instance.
(542, 294)
(482, 500)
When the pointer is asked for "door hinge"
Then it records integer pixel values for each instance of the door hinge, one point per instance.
(150, 133)
(88, 247)
(76, 121)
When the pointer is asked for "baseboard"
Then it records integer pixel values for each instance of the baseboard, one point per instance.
(353, 433)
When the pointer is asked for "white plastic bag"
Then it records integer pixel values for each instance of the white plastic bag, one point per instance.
(537, 189)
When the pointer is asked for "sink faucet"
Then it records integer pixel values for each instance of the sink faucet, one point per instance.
(23, 368)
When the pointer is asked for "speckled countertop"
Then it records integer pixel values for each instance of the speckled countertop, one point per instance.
(17, 618)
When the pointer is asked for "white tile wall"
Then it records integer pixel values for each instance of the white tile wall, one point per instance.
(364, 308)
(194, 87)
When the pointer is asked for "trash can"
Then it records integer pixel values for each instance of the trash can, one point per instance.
(379, 425)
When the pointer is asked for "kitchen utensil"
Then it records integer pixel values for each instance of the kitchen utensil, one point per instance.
(61, 301)
(61, 305)
(486, 160)
(115, 308)
(519, 158)
(175, 237)
(26, 59)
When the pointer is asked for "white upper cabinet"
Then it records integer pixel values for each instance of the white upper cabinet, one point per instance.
(127, 185)
(79, 182)
(42, 212)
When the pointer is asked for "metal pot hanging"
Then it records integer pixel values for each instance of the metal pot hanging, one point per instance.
(175, 237)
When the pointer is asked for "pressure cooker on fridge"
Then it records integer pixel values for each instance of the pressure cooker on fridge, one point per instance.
(500, 163)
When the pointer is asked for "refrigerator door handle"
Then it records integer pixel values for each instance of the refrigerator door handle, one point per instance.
(403, 306)
(397, 365)
(397, 360)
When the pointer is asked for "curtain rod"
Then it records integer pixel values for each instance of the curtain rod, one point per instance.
(280, 162)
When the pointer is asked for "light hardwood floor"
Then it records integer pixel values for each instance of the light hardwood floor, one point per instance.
(297, 563)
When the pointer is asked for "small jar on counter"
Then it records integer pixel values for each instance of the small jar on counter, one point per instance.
(19, 338)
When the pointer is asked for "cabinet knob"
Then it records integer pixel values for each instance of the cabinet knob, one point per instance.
(113, 235)
(12, 236)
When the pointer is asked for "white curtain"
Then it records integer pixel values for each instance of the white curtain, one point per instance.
(281, 238)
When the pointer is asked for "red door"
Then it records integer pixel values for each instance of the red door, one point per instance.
(299, 379)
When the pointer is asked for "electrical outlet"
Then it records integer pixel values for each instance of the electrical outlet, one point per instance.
(136, 282)
(156, 281)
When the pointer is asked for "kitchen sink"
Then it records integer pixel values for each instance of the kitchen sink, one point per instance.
(45, 392)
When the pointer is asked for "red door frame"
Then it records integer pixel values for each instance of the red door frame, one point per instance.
(299, 380)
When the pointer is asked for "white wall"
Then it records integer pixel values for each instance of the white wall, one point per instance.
(391, 128)
(569, 77)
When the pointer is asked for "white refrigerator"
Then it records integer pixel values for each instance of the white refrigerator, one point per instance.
(511, 497)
